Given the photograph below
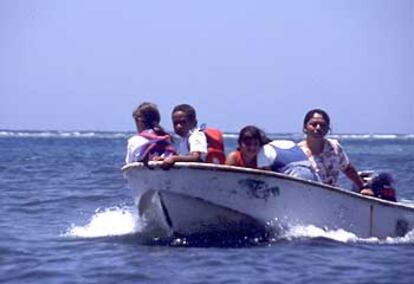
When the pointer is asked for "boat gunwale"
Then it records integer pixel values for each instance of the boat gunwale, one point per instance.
(266, 173)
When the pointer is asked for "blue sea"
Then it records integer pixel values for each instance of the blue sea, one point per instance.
(67, 216)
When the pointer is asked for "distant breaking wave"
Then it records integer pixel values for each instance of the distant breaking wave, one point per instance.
(229, 135)
(62, 134)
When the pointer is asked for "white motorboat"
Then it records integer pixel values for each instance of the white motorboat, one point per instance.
(198, 198)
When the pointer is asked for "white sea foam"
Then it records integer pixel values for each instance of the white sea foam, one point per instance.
(352, 136)
(407, 239)
(125, 134)
(368, 136)
(340, 235)
(384, 136)
(312, 231)
(230, 135)
(62, 134)
(114, 221)
(407, 202)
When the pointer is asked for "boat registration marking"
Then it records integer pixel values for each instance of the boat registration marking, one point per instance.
(259, 189)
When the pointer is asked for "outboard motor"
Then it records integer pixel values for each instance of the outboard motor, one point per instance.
(381, 183)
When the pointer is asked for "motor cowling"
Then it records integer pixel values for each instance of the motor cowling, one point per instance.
(381, 183)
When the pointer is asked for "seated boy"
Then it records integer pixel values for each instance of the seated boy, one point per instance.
(192, 143)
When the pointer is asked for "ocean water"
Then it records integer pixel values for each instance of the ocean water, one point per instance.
(66, 216)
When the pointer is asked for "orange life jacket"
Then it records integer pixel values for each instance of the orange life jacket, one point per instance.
(239, 161)
(215, 146)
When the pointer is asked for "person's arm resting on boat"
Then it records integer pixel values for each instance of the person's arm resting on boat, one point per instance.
(192, 157)
(352, 174)
(197, 143)
(349, 170)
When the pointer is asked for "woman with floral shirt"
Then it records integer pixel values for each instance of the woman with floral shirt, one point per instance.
(326, 155)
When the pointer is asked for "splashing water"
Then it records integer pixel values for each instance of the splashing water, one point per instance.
(407, 239)
(120, 221)
(340, 235)
(113, 221)
(312, 231)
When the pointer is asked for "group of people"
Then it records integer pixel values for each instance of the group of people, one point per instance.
(316, 158)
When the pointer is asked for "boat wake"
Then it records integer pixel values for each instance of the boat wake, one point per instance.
(124, 221)
(313, 232)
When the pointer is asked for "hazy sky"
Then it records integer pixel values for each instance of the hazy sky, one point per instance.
(85, 65)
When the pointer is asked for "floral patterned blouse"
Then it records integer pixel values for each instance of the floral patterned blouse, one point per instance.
(330, 162)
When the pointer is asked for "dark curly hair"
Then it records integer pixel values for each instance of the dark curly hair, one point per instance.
(252, 132)
(187, 109)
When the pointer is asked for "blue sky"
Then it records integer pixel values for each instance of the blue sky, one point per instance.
(85, 65)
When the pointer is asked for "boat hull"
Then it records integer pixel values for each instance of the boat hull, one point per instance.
(197, 198)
